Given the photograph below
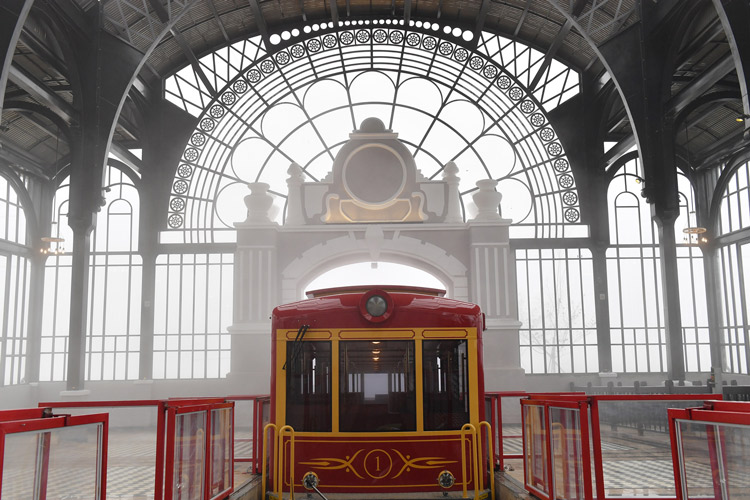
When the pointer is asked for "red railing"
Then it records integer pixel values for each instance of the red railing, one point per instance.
(251, 425)
(38, 466)
(633, 429)
(710, 450)
(506, 416)
(180, 450)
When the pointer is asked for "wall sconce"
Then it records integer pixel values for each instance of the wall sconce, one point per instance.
(639, 179)
(741, 117)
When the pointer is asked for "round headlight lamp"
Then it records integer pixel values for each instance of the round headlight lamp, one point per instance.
(446, 479)
(376, 306)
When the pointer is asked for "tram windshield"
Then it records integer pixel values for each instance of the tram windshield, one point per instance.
(377, 386)
(308, 389)
(446, 384)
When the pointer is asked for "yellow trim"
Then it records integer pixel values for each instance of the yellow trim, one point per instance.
(474, 416)
(490, 454)
(419, 383)
(335, 389)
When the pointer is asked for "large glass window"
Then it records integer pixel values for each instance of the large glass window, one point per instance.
(114, 312)
(735, 205)
(446, 102)
(735, 280)
(636, 310)
(445, 384)
(308, 386)
(13, 318)
(377, 390)
(15, 270)
(556, 307)
(192, 311)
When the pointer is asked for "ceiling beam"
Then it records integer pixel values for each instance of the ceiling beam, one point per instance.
(701, 84)
(215, 13)
(619, 149)
(42, 93)
(334, 12)
(260, 21)
(557, 43)
(18, 159)
(163, 16)
(481, 17)
(194, 63)
(522, 18)
(128, 158)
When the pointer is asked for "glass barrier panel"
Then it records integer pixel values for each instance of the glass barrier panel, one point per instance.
(221, 451)
(714, 460)
(693, 442)
(189, 456)
(512, 430)
(131, 462)
(733, 445)
(635, 445)
(567, 456)
(535, 454)
(19, 464)
(63, 461)
(243, 430)
(74, 462)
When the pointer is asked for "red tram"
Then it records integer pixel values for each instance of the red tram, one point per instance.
(377, 392)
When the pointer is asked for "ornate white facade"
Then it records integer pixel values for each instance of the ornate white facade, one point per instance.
(374, 206)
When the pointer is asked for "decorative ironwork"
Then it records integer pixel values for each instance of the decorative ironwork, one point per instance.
(446, 102)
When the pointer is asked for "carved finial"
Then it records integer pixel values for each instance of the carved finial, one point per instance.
(487, 200)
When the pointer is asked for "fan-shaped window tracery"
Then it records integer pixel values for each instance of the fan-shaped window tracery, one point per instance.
(447, 103)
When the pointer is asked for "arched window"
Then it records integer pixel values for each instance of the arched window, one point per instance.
(375, 273)
(15, 272)
(446, 102)
(113, 324)
(734, 272)
(638, 336)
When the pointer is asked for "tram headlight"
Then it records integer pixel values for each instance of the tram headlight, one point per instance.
(446, 479)
(376, 306)
(310, 481)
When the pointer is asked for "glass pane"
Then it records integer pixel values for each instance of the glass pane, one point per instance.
(189, 456)
(32, 459)
(635, 437)
(221, 450)
(308, 386)
(377, 386)
(535, 454)
(446, 384)
(19, 464)
(567, 458)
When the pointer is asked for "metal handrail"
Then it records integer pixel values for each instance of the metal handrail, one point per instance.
(286, 429)
(490, 455)
(264, 474)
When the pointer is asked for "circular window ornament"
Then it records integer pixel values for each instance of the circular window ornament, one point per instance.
(374, 175)
(376, 306)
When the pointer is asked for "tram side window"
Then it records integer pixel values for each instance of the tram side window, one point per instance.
(308, 386)
(446, 384)
(377, 386)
